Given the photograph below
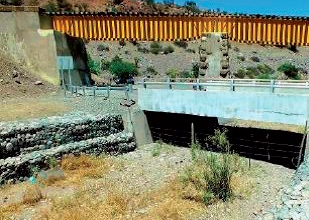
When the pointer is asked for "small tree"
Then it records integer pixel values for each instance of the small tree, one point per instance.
(122, 69)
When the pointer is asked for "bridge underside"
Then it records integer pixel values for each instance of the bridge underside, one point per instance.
(274, 146)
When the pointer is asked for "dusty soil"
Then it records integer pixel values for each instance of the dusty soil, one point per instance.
(17, 81)
(146, 178)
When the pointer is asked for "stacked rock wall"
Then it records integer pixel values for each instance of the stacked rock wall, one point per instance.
(30, 144)
(294, 203)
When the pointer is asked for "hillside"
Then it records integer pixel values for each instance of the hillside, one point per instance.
(156, 66)
(17, 81)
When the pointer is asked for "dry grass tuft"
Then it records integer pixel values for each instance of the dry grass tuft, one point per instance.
(88, 166)
(32, 194)
(7, 212)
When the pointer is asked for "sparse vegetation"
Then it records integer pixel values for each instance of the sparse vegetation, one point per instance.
(93, 65)
(181, 43)
(261, 71)
(255, 59)
(32, 194)
(209, 177)
(168, 49)
(151, 70)
(241, 58)
(155, 48)
(172, 73)
(142, 49)
(102, 47)
(190, 50)
(195, 70)
(289, 70)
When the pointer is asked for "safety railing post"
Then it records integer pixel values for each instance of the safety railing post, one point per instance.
(108, 91)
(94, 91)
(84, 90)
(143, 83)
(198, 84)
(169, 85)
(232, 85)
(272, 86)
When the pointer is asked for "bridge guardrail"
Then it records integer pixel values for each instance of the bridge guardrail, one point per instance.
(233, 84)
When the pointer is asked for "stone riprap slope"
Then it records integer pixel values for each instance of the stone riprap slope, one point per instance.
(294, 203)
(30, 144)
(24, 137)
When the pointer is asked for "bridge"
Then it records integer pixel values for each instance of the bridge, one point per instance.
(284, 102)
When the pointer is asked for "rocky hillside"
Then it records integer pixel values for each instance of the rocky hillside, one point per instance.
(241, 56)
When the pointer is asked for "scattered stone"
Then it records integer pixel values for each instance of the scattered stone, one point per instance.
(38, 83)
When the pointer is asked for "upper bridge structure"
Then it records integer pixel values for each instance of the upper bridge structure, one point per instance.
(269, 30)
(284, 102)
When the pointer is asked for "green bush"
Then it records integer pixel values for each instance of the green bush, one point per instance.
(289, 70)
(122, 69)
(168, 49)
(172, 73)
(105, 65)
(185, 74)
(93, 65)
(241, 73)
(211, 173)
(181, 43)
(261, 71)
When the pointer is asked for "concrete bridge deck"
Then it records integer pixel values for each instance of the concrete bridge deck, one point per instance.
(258, 100)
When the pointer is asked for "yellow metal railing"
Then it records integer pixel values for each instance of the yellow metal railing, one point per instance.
(246, 29)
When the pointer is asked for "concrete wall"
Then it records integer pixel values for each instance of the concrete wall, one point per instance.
(43, 44)
(267, 107)
(39, 44)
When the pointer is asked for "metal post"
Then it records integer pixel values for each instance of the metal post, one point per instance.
(126, 93)
(130, 87)
(72, 89)
(192, 134)
(272, 86)
(143, 83)
(76, 90)
(62, 76)
(84, 90)
(70, 77)
(198, 84)
(169, 83)
(232, 85)
(94, 88)
(108, 91)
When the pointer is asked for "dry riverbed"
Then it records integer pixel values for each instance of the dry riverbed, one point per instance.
(139, 185)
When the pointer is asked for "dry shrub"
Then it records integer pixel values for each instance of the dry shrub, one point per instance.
(32, 194)
(85, 204)
(167, 202)
(7, 212)
(88, 166)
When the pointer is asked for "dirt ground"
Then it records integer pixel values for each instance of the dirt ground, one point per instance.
(141, 185)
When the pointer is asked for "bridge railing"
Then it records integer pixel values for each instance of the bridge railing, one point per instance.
(255, 85)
